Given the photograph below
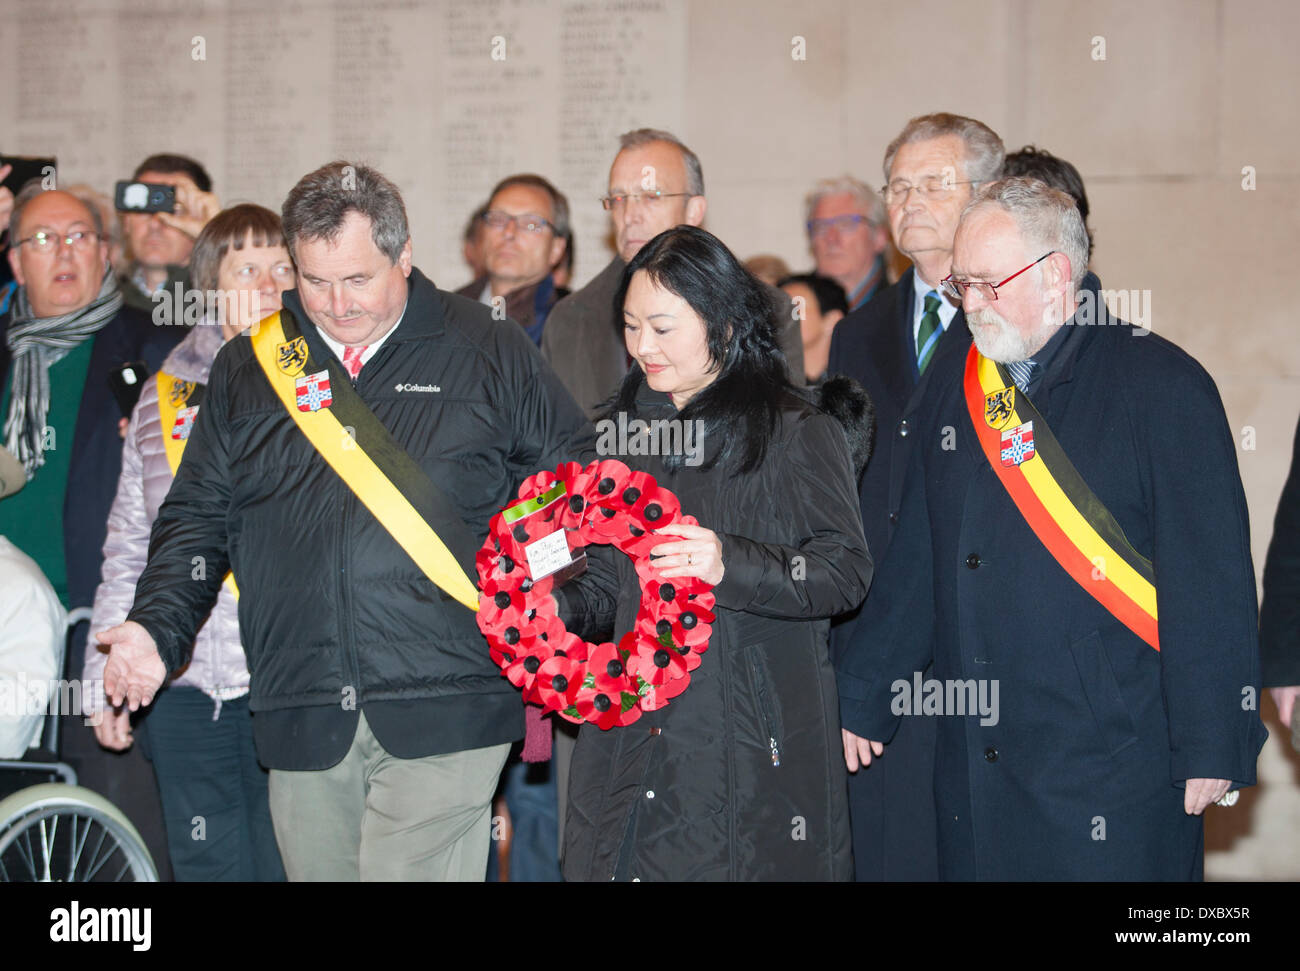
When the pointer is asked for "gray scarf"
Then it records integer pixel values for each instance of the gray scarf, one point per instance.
(38, 343)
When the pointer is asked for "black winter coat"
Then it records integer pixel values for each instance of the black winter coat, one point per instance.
(742, 776)
(1077, 772)
(335, 616)
(891, 802)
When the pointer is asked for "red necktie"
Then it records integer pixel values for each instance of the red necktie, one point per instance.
(352, 360)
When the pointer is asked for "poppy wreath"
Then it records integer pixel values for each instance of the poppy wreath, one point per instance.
(604, 684)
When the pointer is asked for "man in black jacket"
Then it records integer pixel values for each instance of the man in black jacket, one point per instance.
(383, 720)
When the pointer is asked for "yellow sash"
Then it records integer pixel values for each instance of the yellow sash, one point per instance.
(357, 470)
(173, 394)
(1064, 513)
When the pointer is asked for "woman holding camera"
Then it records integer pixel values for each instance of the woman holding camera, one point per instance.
(740, 777)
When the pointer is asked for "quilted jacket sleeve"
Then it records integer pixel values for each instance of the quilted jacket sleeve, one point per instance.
(829, 569)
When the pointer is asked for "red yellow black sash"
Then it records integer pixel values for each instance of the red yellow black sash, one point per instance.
(1069, 519)
(345, 432)
(178, 407)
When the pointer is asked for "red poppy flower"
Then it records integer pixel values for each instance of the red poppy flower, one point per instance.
(558, 682)
(610, 525)
(503, 627)
(690, 627)
(569, 645)
(523, 669)
(658, 506)
(604, 709)
(640, 496)
(654, 663)
(609, 469)
(608, 670)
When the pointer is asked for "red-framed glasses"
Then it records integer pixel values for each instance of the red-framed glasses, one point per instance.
(989, 291)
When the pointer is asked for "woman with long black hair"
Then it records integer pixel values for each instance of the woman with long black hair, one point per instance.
(741, 776)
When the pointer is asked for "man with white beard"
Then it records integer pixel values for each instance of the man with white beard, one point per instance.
(1075, 526)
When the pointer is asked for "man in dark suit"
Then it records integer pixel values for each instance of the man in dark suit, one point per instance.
(655, 183)
(889, 347)
(1073, 551)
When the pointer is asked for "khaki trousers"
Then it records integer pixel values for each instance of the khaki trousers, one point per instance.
(377, 817)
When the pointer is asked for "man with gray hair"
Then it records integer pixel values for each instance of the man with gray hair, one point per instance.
(344, 467)
(655, 183)
(1074, 536)
(847, 232)
(889, 346)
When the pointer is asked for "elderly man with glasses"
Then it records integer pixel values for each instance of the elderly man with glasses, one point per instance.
(1072, 567)
(655, 183)
(67, 331)
(522, 239)
(847, 233)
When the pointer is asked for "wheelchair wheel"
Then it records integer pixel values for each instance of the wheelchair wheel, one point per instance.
(65, 834)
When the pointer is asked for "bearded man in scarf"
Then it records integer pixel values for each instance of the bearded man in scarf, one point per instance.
(66, 332)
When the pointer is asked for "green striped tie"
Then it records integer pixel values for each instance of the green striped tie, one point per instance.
(928, 335)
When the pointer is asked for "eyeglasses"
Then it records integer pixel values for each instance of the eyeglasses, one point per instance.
(989, 291)
(931, 187)
(842, 224)
(529, 222)
(650, 198)
(47, 244)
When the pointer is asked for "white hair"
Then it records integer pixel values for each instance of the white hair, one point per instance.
(867, 198)
(1047, 218)
(984, 150)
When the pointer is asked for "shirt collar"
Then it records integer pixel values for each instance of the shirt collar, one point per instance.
(372, 347)
(141, 284)
(947, 309)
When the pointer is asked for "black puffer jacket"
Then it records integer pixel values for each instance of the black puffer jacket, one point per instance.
(742, 776)
(335, 616)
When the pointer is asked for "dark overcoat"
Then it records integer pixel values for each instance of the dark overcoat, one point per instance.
(1079, 774)
(891, 803)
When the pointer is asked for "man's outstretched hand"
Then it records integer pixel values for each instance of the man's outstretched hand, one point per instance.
(134, 672)
(858, 751)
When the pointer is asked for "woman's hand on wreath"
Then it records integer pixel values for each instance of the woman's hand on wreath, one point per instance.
(697, 554)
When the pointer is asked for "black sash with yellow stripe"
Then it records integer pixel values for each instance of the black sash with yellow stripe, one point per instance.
(1064, 513)
(327, 409)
